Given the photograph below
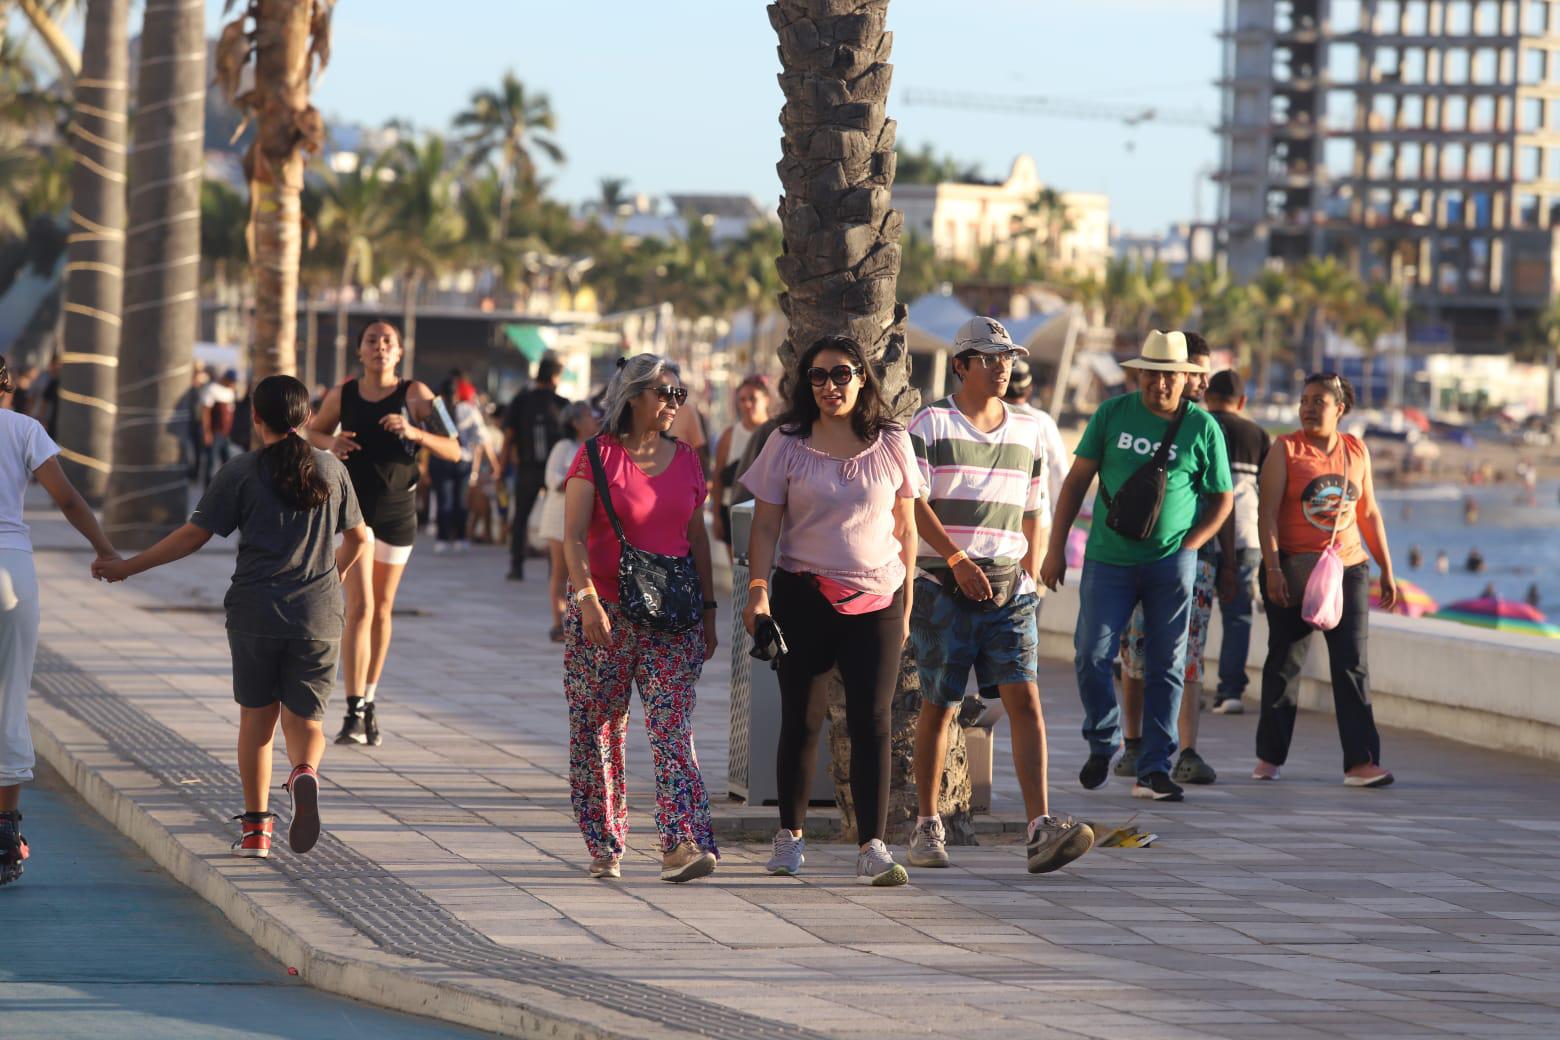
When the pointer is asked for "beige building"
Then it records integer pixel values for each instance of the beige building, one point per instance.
(1417, 140)
(961, 219)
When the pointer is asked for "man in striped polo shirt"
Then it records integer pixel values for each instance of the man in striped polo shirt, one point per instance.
(982, 529)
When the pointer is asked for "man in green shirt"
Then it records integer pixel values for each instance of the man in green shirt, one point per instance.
(1120, 572)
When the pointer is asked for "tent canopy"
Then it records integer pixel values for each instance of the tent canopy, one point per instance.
(527, 339)
(935, 319)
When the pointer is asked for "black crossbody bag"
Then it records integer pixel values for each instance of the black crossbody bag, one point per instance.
(1134, 510)
(657, 591)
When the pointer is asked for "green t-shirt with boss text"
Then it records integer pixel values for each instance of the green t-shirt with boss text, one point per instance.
(1121, 436)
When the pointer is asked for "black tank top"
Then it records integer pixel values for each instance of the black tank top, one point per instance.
(384, 468)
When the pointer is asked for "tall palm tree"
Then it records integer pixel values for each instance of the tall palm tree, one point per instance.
(1048, 208)
(840, 265)
(1325, 289)
(1276, 297)
(355, 212)
(505, 125)
(289, 41)
(430, 230)
(147, 495)
(94, 269)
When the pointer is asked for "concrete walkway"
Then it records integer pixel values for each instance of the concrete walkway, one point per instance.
(451, 880)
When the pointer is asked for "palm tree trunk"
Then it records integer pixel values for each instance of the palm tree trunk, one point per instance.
(339, 369)
(841, 265)
(311, 340)
(1367, 378)
(409, 287)
(282, 80)
(55, 39)
(94, 268)
(147, 494)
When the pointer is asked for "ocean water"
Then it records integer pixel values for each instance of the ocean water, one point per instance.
(1520, 542)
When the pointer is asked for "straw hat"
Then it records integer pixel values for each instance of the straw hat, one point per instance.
(1164, 352)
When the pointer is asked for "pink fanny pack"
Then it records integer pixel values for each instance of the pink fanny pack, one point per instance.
(846, 600)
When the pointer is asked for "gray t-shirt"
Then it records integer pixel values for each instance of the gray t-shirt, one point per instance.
(284, 583)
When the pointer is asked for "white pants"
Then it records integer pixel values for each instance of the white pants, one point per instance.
(18, 647)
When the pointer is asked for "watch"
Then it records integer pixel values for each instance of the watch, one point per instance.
(710, 604)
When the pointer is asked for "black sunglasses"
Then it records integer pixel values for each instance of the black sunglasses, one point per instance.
(673, 393)
(839, 375)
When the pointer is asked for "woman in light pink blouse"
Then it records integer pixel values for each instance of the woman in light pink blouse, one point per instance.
(835, 489)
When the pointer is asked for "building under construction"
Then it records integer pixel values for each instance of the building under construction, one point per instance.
(1416, 140)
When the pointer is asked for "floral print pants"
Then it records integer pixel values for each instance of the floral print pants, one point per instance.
(1203, 594)
(597, 681)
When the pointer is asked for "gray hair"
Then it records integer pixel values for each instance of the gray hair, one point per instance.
(634, 376)
(575, 412)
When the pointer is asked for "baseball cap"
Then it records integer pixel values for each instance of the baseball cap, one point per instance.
(1227, 383)
(985, 336)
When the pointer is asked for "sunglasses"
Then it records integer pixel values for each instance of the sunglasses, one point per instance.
(990, 361)
(672, 393)
(839, 375)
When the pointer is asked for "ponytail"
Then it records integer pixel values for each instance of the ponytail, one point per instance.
(7, 384)
(282, 404)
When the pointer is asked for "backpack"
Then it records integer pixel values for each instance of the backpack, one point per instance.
(1134, 510)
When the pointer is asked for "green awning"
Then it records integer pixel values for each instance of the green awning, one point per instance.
(527, 339)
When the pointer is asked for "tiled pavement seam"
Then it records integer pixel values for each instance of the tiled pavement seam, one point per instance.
(375, 902)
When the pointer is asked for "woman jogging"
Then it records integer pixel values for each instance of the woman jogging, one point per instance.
(26, 451)
(580, 424)
(383, 420)
(657, 490)
(1316, 488)
(834, 492)
(288, 502)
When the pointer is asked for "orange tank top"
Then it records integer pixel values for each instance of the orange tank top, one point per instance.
(1316, 487)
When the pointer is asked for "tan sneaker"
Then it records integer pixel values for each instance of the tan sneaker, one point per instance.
(605, 867)
(686, 862)
(1057, 842)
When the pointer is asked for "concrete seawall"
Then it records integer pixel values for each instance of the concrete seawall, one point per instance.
(1497, 690)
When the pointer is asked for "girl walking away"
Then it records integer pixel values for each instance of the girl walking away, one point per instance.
(26, 451)
(580, 424)
(288, 502)
(834, 515)
(376, 425)
(1316, 488)
(656, 488)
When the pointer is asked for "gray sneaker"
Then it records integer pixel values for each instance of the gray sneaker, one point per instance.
(876, 867)
(1057, 842)
(1191, 769)
(928, 845)
(788, 853)
(1230, 706)
(1126, 765)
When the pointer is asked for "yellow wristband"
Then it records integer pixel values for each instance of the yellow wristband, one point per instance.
(758, 583)
(587, 592)
(958, 558)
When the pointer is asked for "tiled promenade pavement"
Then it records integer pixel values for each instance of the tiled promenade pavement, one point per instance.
(1299, 909)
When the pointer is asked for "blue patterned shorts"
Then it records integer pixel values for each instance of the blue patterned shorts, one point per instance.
(950, 639)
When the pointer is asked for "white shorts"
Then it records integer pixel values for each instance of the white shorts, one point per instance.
(18, 645)
(384, 552)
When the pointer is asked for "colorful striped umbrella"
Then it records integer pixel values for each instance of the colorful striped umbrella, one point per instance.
(1412, 601)
(1502, 615)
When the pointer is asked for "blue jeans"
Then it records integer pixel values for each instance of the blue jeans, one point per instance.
(1237, 627)
(1106, 597)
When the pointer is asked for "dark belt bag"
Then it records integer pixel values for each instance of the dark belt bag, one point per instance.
(1004, 579)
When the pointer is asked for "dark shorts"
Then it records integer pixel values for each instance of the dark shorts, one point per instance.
(950, 640)
(299, 674)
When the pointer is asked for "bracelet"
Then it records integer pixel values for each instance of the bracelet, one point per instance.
(588, 592)
(958, 558)
(759, 583)
(710, 604)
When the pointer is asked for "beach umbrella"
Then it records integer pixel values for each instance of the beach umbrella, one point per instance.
(1412, 600)
(1502, 615)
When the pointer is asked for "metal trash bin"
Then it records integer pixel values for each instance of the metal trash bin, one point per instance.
(755, 698)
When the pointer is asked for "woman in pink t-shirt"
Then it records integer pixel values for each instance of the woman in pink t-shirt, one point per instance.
(834, 493)
(657, 487)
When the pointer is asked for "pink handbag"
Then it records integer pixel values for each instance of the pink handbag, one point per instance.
(1322, 606)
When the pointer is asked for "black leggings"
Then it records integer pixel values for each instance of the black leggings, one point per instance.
(866, 648)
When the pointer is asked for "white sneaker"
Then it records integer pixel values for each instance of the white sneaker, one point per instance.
(876, 867)
(440, 548)
(1230, 706)
(929, 844)
(788, 855)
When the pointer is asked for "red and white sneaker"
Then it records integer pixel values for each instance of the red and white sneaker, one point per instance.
(304, 786)
(13, 847)
(254, 841)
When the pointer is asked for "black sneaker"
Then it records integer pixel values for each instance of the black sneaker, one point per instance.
(13, 847)
(352, 725)
(370, 726)
(1157, 786)
(1094, 771)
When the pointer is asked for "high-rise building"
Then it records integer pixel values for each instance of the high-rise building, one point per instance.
(1416, 140)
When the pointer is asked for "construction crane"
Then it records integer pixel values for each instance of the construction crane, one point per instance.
(1131, 116)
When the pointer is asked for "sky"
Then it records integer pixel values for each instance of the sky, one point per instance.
(682, 96)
